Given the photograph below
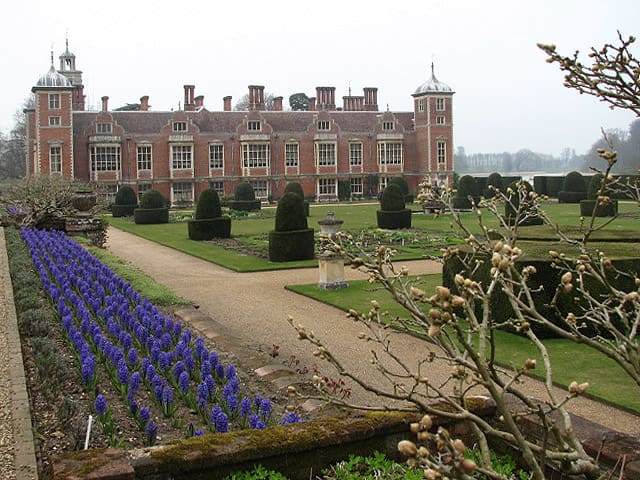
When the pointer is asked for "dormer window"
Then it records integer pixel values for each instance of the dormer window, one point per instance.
(179, 126)
(440, 104)
(387, 125)
(324, 125)
(103, 128)
(254, 126)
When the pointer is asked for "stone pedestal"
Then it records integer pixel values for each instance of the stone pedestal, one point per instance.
(330, 225)
(86, 226)
(331, 268)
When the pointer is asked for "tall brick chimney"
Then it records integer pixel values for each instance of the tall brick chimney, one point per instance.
(256, 97)
(226, 103)
(325, 98)
(353, 104)
(371, 99)
(189, 102)
(312, 104)
(277, 104)
(105, 104)
(144, 103)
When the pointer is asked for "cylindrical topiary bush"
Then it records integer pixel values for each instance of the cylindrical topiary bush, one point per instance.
(574, 188)
(404, 186)
(153, 208)
(494, 180)
(209, 222)
(604, 208)
(393, 214)
(125, 202)
(526, 216)
(466, 188)
(295, 187)
(292, 239)
(245, 198)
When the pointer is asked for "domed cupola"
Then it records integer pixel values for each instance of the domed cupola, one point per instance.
(53, 79)
(433, 85)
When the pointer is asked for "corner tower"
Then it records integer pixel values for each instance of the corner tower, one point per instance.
(433, 116)
(68, 69)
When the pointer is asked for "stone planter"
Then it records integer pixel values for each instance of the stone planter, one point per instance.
(84, 200)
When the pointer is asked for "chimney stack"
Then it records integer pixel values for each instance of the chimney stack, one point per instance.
(256, 97)
(189, 104)
(144, 103)
(105, 104)
(353, 104)
(371, 99)
(326, 99)
(226, 102)
(277, 104)
(312, 104)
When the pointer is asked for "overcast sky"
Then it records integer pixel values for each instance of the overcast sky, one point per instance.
(507, 97)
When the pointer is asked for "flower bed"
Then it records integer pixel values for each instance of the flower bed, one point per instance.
(157, 367)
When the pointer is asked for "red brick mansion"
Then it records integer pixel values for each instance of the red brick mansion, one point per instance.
(180, 153)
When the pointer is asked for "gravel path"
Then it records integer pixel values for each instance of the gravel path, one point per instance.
(253, 307)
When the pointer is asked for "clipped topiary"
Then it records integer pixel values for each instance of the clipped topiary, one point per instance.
(466, 188)
(393, 214)
(292, 239)
(153, 208)
(245, 198)
(514, 210)
(494, 180)
(125, 202)
(604, 208)
(404, 186)
(209, 222)
(295, 187)
(574, 188)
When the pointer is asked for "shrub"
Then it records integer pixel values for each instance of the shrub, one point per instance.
(125, 202)
(392, 198)
(466, 188)
(153, 208)
(393, 214)
(295, 187)
(574, 182)
(526, 216)
(208, 205)
(571, 197)
(245, 198)
(290, 213)
(153, 199)
(493, 180)
(344, 190)
(209, 228)
(244, 191)
(608, 210)
(595, 183)
(292, 239)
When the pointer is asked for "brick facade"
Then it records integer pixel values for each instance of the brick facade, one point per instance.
(180, 153)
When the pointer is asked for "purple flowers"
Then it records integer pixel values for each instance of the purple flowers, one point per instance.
(100, 405)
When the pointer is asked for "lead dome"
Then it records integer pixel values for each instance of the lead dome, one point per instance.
(433, 85)
(53, 79)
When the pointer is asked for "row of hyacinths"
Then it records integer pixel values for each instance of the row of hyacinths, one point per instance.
(107, 321)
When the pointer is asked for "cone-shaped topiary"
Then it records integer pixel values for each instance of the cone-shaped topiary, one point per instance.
(494, 180)
(574, 188)
(291, 239)
(466, 188)
(125, 202)
(244, 191)
(404, 186)
(208, 205)
(295, 187)
(245, 198)
(392, 213)
(153, 208)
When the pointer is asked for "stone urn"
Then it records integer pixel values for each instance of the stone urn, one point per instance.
(330, 225)
(84, 200)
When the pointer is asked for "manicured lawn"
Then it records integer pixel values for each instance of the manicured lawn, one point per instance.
(570, 360)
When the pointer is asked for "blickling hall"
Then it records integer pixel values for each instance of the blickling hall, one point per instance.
(180, 153)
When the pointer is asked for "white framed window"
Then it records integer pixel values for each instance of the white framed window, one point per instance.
(291, 154)
(179, 126)
(255, 155)
(390, 153)
(54, 101)
(356, 186)
(181, 156)
(325, 153)
(324, 125)
(105, 158)
(387, 125)
(421, 105)
(260, 188)
(216, 155)
(355, 153)
(54, 121)
(440, 104)
(103, 128)
(254, 126)
(143, 187)
(182, 192)
(327, 186)
(439, 120)
(218, 186)
(441, 152)
(384, 181)
(55, 158)
(144, 157)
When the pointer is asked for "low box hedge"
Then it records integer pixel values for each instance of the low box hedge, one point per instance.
(123, 210)
(547, 277)
(151, 215)
(608, 210)
(209, 228)
(394, 220)
(245, 205)
(291, 245)
(571, 197)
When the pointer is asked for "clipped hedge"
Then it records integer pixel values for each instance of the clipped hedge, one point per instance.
(571, 197)
(209, 228)
(547, 277)
(125, 202)
(292, 245)
(394, 220)
(548, 185)
(123, 210)
(496, 181)
(144, 216)
(245, 205)
(608, 210)
(295, 187)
